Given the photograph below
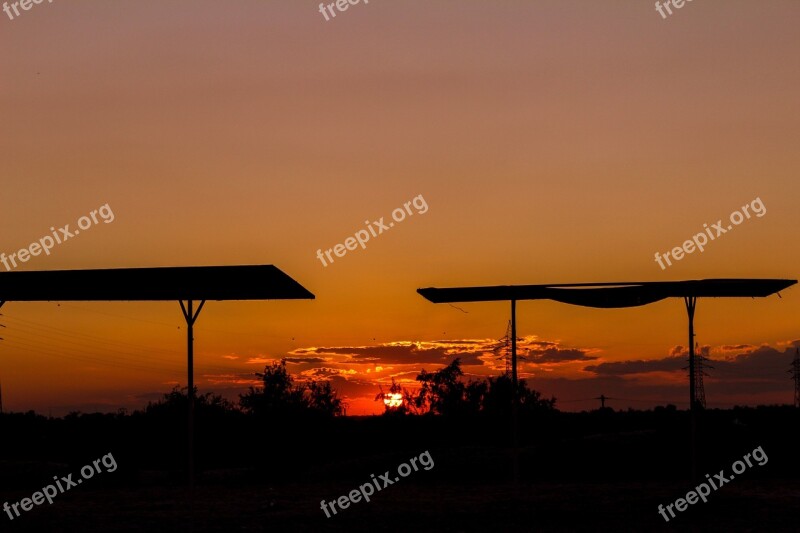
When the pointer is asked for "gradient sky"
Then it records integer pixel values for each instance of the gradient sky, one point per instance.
(553, 141)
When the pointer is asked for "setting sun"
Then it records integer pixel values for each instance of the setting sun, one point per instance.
(393, 400)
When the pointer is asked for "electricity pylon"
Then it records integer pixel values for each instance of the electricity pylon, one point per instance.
(795, 371)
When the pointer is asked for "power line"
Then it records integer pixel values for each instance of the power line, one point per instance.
(172, 326)
(32, 332)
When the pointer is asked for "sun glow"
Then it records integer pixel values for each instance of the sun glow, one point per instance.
(393, 399)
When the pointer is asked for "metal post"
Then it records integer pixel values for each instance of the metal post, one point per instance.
(691, 303)
(514, 343)
(514, 395)
(1, 391)
(795, 371)
(190, 317)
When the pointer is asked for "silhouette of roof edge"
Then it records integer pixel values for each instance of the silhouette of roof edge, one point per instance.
(237, 282)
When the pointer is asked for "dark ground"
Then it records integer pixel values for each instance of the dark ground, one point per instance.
(745, 506)
(600, 471)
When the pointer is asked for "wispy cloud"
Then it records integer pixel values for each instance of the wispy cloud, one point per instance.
(261, 361)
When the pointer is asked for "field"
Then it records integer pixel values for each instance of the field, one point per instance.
(599, 471)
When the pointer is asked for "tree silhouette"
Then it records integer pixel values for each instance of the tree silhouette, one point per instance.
(280, 397)
(323, 399)
(443, 393)
(501, 393)
(176, 402)
(395, 389)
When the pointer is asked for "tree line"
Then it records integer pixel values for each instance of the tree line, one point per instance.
(443, 392)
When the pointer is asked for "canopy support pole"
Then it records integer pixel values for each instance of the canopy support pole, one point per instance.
(191, 317)
(514, 395)
(691, 303)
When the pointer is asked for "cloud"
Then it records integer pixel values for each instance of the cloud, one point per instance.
(235, 379)
(301, 360)
(558, 355)
(792, 344)
(762, 363)
(325, 372)
(735, 347)
(741, 373)
(404, 352)
(640, 366)
(471, 352)
(289, 360)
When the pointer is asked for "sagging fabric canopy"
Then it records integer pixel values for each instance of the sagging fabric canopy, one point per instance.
(611, 295)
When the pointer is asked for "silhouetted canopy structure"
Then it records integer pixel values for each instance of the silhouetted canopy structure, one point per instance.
(611, 295)
(243, 282)
(248, 282)
(614, 295)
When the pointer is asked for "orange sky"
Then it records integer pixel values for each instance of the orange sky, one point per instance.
(552, 142)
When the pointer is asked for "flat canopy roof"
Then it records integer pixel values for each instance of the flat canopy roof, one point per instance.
(611, 295)
(247, 282)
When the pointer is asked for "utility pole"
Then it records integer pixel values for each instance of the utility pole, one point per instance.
(795, 371)
(700, 364)
(503, 348)
(700, 367)
(603, 399)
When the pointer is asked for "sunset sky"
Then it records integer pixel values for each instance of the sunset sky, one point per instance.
(552, 142)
